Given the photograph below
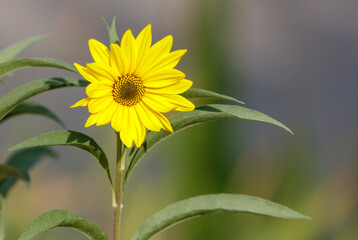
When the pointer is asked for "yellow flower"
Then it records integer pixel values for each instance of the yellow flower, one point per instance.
(132, 84)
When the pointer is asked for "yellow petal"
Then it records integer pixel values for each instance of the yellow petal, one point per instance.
(99, 104)
(166, 124)
(171, 74)
(85, 73)
(149, 120)
(156, 53)
(99, 51)
(169, 61)
(129, 47)
(157, 119)
(118, 59)
(144, 41)
(177, 102)
(117, 119)
(158, 106)
(125, 131)
(81, 103)
(103, 73)
(136, 128)
(105, 116)
(177, 88)
(96, 90)
(92, 119)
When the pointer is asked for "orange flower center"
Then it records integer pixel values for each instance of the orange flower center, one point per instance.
(128, 90)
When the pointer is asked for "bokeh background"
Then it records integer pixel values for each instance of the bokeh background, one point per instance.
(293, 60)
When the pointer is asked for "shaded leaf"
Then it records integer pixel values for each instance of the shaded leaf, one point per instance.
(7, 171)
(25, 91)
(62, 218)
(214, 203)
(16, 49)
(199, 115)
(112, 32)
(21, 63)
(70, 138)
(23, 160)
(202, 93)
(33, 108)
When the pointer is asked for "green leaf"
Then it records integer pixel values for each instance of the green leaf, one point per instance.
(20, 63)
(16, 49)
(112, 32)
(7, 171)
(62, 218)
(202, 93)
(23, 160)
(214, 203)
(25, 91)
(200, 115)
(33, 108)
(70, 138)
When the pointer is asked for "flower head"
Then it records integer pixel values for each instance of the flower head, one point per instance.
(132, 84)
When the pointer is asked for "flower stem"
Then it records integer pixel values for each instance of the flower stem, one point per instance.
(121, 156)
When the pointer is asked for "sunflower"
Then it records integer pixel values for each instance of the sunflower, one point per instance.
(132, 84)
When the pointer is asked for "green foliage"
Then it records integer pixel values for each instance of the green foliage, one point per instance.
(202, 93)
(112, 32)
(23, 160)
(214, 203)
(21, 63)
(70, 138)
(62, 218)
(33, 108)
(199, 115)
(7, 171)
(25, 91)
(16, 49)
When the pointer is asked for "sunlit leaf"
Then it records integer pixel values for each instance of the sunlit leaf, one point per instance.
(62, 218)
(33, 108)
(7, 171)
(23, 160)
(112, 32)
(21, 63)
(202, 93)
(70, 138)
(199, 115)
(16, 49)
(214, 203)
(25, 91)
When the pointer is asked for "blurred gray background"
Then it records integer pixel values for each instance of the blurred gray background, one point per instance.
(293, 60)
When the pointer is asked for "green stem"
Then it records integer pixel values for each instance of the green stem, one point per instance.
(121, 157)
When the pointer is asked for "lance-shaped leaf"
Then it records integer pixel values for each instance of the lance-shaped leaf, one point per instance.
(21, 63)
(33, 108)
(70, 138)
(25, 91)
(23, 160)
(7, 171)
(62, 218)
(112, 32)
(16, 49)
(214, 203)
(199, 115)
(202, 93)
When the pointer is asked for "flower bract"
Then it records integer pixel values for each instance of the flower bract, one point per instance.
(132, 84)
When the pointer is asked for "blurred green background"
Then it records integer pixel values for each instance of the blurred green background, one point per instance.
(293, 60)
